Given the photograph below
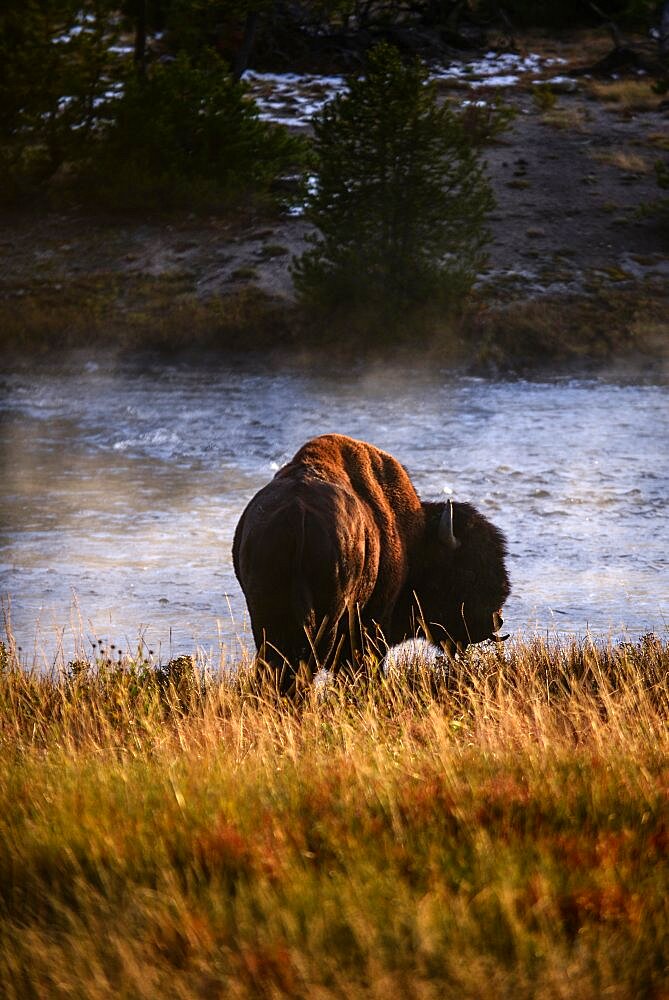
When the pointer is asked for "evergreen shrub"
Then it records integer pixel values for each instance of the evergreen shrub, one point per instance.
(187, 133)
(399, 198)
(56, 65)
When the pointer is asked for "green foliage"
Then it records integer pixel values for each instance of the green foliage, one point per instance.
(661, 206)
(55, 67)
(640, 13)
(194, 24)
(544, 98)
(289, 26)
(658, 208)
(76, 114)
(400, 196)
(483, 121)
(572, 13)
(284, 29)
(187, 133)
(662, 171)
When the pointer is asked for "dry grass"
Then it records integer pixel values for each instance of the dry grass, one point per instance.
(141, 313)
(658, 140)
(569, 118)
(580, 48)
(627, 95)
(623, 159)
(500, 832)
(605, 327)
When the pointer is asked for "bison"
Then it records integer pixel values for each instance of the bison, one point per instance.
(339, 546)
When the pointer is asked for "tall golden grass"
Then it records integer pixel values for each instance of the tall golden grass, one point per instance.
(497, 827)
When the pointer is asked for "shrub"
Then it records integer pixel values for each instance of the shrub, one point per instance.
(572, 13)
(187, 133)
(544, 98)
(484, 121)
(55, 67)
(399, 199)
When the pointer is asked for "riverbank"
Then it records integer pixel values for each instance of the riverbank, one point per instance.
(502, 835)
(578, 268)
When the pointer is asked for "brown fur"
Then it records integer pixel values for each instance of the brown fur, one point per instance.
(338, 545)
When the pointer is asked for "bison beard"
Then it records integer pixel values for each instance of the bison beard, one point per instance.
(339, 547)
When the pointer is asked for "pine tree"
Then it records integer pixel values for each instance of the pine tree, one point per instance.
(399, 198)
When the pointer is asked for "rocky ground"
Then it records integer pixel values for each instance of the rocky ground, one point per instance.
(575, 187)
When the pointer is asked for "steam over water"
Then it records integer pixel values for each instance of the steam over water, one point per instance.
(122, 483)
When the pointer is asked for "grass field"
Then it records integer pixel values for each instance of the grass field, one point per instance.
(503, 832)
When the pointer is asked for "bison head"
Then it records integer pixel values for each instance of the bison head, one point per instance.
(458, 579)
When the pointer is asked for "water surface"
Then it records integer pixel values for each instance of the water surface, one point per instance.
(122, 483)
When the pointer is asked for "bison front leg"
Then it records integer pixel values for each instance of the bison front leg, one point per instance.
(277, 660)
(272, 671)
(361, 645)
(288, 663)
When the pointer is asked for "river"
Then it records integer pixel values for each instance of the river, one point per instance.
(122, 482)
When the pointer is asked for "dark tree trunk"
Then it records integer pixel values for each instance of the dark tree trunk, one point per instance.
(140, 37)
(610, 26)
(621, 57)
(663, 37)
(241, 59)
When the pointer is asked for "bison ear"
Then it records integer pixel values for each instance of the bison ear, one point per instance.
(446, 533)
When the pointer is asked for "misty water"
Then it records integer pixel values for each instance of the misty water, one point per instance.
(122, 482)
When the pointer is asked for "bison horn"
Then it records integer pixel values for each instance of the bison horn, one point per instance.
(446, 533)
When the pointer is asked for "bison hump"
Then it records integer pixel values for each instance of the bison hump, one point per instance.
(372, 475)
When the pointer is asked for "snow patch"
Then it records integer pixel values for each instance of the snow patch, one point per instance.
(294, 98)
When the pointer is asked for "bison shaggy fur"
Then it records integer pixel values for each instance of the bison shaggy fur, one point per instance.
(339, 547)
